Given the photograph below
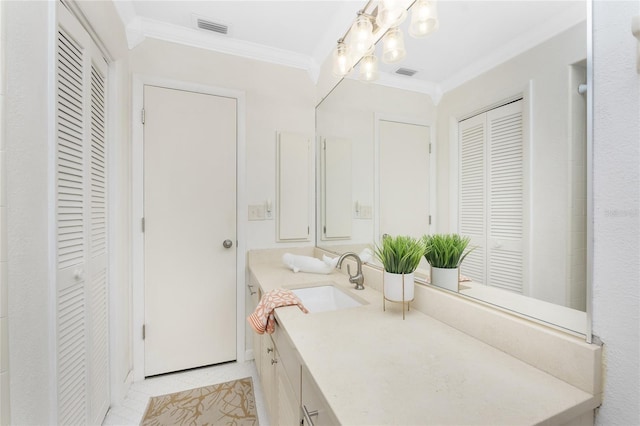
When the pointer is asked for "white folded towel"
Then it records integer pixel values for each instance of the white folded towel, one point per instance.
(299, 263)
(366, 255)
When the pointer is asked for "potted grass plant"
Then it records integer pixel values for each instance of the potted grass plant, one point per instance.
(400, 257)
(445, 253)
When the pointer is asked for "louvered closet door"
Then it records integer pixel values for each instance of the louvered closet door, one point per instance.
(98, 308)
(506, 195)
(493, 196)
(81, 285)
(472, 134)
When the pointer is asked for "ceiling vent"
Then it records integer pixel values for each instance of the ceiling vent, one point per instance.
(205, 24)
(406, 71)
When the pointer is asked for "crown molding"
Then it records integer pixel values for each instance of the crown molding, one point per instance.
(141, 28)
(514, 48)
(428, 88)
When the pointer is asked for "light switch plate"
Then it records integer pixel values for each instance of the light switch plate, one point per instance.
(256, 212)
(365, 212)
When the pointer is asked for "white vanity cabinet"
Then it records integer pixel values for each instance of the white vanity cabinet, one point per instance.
(266, 362)
(279, 369)
(314, 409)
(255, 294)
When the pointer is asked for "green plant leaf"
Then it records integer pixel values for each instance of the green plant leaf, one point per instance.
(446, 250)
(401, 254)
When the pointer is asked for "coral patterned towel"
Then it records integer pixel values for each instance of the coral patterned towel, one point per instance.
(262, 319)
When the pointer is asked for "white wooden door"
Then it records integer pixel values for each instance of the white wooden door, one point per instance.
(190, 211)
(404, 178)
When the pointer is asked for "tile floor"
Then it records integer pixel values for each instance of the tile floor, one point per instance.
(135, 403)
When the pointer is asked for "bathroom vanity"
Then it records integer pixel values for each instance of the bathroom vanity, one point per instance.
(362, 365)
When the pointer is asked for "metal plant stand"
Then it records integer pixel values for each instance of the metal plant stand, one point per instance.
(403, 301)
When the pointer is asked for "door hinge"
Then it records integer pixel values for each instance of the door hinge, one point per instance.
(429, 148)
(324, 230)
(142, 115)
(144, 331)
(429, 219)
(142, 224)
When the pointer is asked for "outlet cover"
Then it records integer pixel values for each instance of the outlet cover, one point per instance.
(256, 212)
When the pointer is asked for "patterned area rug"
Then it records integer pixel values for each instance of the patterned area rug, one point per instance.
(230, 403)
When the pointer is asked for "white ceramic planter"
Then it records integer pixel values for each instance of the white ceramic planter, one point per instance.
(393, 287)
(445, 278)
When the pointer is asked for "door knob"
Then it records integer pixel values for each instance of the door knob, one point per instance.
(78, 274)
(227, 243)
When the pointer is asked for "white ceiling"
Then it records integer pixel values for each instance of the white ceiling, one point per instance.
(473, 36)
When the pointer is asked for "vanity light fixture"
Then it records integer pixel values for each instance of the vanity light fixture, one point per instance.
(381, 17)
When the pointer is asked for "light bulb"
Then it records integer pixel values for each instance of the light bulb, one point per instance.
(369, 68)
(341, 60)
(424, 18)
(393, 46)
(391, 13)
(361, 36)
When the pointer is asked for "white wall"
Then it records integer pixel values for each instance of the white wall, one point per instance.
(4, 305)
(547, 66)
(27, 171)
(616, 175)
(278, 98)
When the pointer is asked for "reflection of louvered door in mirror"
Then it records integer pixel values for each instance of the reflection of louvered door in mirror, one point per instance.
(472, 194)
(506, 195)
(81, 284)
(493, 196)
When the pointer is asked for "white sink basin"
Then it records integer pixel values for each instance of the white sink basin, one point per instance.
(326, 297)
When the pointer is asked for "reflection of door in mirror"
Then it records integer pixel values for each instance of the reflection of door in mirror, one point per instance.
(336, 188)
(403, 177)
(493, 197)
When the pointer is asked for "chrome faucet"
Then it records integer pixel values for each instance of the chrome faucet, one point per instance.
(358, 278)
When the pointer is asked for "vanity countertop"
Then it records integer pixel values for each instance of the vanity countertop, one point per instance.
(374, 368)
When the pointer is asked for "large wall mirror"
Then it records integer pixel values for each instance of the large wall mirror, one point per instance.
(431, 153)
